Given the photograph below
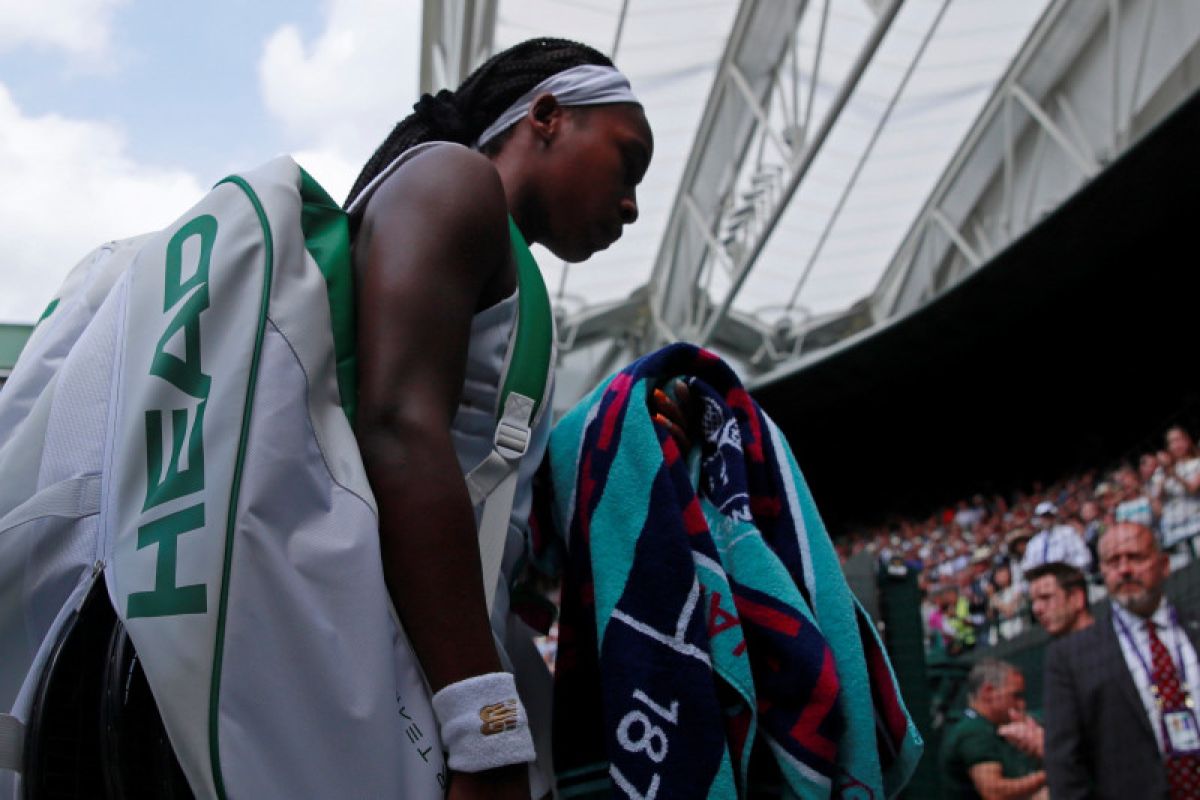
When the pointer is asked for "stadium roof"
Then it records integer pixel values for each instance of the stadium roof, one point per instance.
(1071, 349)
(934, 68)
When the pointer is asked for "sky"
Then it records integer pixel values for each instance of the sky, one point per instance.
(116, 115)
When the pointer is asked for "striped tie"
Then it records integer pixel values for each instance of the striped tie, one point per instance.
(1183, 771)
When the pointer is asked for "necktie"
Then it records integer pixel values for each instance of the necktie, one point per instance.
(1183, 771)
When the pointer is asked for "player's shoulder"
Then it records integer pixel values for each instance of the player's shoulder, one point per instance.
(456, 188)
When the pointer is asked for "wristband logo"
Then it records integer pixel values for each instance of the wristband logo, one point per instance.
(498, 718)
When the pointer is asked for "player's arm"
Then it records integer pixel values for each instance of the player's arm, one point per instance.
(432, 239)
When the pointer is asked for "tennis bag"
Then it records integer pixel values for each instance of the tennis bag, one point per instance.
(178, 429)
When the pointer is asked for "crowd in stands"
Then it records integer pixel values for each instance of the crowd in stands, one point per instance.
(1119, 679)
(1119, 716)
(974, 559)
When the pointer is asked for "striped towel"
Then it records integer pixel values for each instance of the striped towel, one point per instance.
(708, 645)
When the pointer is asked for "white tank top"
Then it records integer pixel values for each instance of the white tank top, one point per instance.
(472, 431)
(474, 426)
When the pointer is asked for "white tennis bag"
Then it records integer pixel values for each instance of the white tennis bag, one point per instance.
(176, 425)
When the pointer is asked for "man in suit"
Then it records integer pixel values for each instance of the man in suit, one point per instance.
(1120, 695)
(1058, 598)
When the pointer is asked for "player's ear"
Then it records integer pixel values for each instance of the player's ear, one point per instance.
(545, 117)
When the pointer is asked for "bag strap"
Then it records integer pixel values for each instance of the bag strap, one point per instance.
(531, 351)
(525, 378)
(326, 229)
(73, 498)
(525, 385)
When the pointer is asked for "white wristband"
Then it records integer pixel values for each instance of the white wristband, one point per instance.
(483, 723)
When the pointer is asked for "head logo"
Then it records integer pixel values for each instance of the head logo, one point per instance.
(499, 717)
(166, 477)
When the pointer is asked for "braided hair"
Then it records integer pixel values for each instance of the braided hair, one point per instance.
(460, 116)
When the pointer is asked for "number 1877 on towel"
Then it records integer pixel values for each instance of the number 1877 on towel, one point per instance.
(637, 733)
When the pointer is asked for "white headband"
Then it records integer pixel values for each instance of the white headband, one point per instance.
(585, 85)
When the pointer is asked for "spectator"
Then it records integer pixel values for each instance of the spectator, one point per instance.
(937, 619)
(975, 761)
(1068, 511)
(948, 623)
(1120, 695)
(1150, 471)
(1017, 543)
(970, 515)
(979, 588)
(1054, 542)
(1092, 524)
(962, 625)
(1137, 504)
(1106, 497)
(1180, 482)
(1004, 604)
(1058, 597)
(1069, 516)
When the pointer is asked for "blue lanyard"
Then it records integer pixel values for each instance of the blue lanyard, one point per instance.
(1146, 665)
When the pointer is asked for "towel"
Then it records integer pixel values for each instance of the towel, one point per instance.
(709, 645)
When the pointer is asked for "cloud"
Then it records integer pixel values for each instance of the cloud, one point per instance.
(333, 170)
(339, 95)
(69, 186)
(80, 27)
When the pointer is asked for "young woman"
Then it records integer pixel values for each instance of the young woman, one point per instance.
(1179, 487)
(546, 133)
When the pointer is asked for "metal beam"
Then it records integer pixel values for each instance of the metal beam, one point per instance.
(964, 247)
(866, 155)
(806, 157)
(1086, 165)
(1067, 63)
(456, 37)
(718, 148)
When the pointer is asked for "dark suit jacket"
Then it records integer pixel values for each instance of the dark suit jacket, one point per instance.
(1099, 743)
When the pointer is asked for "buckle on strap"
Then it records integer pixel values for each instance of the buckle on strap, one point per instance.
(512, 431)
(512, 440)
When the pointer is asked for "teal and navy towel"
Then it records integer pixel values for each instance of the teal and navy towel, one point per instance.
(708, 644)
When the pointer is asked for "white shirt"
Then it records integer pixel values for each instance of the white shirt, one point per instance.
(1176, 642)
(1058, 543)
(1137, 510)
(1181, 509)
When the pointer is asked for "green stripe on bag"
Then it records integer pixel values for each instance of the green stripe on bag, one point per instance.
(327, 239)
(529, 369)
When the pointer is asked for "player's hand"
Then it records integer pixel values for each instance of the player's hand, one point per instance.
(672, 409)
